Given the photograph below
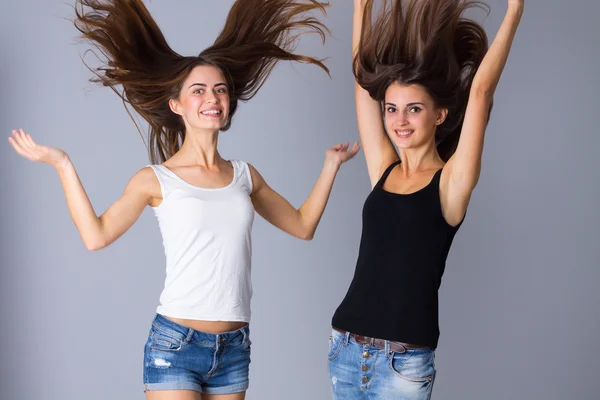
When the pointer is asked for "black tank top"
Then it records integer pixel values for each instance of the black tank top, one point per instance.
(403, 249)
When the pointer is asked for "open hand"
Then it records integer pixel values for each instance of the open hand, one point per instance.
(340, 153)
(28, 148)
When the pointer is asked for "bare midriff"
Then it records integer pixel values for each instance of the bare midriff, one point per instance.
(209, 326)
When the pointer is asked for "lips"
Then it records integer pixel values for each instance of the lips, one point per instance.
(212, 112)
(403, 133)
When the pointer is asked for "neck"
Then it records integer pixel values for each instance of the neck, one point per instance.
(420, 159)
(200, 147)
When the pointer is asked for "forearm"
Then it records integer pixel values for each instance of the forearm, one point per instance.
(314, 206)
(489, 72)
(80, 208)
(359, 6)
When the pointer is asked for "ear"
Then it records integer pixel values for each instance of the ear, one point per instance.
(175, 106)
(442, 114)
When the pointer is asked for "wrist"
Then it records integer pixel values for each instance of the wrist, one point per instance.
(331, 165)
(63, 163)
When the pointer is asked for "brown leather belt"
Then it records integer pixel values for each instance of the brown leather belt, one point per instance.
(396, 347)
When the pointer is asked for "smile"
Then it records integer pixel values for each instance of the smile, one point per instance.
(403, 133)
(211, 113)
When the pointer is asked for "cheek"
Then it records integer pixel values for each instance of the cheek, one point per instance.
(225, 103)
(192, 104)
(390, 120)
(422, 120)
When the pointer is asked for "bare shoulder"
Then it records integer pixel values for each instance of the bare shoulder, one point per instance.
(257, 180)
(144, 183)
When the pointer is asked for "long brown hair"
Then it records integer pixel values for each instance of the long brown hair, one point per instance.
(425, 42)
(140, 66)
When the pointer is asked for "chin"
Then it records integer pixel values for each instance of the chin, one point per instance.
(216, 126)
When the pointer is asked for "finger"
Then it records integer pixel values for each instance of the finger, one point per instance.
(29, 140)
(345, 146)
(353, 150)
(337, 147)
(18, 137)
(18, 148)
(26, 144)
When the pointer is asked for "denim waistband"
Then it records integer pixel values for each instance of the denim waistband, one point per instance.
(187, 334)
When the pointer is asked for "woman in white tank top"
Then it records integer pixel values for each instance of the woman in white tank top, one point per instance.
(198, 346)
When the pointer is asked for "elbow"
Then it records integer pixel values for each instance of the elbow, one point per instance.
(307, 236)
(94, 245)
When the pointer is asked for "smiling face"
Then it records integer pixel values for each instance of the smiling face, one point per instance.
(203, 100)
(411, 115)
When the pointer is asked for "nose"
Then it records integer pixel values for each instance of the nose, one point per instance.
(211, 98)
(403, 118)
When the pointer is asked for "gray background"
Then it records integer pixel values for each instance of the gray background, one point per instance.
(519, 301)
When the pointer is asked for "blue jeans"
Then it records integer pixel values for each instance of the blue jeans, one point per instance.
(179, 358)
(360, 371)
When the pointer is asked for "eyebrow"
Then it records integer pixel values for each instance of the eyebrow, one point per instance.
(204, 84)
(408, 105)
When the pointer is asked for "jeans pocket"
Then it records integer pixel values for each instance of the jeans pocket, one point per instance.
(164, 342)
(414, 365)
(336, 341)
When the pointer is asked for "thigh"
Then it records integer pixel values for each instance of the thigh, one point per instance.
(173, 395)
(234, 396)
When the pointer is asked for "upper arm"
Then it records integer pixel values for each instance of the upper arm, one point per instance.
(273, 207)
(463, 168)
(377, 146)
(123, 213)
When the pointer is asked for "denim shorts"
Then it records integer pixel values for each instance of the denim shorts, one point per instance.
(360, 371)
(180, 358)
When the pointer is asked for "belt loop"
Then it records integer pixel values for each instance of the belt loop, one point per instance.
(244, 335)
(387, 348)
(347, 339)
(190, 334)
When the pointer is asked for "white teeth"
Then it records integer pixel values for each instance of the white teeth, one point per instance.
(404, 133)
(211, 112)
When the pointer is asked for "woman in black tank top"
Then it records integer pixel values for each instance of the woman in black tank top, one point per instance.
(430, 71)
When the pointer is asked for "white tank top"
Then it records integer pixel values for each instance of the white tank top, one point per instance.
(207, 239)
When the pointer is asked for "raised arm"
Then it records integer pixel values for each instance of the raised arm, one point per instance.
(301, 223)
(378, 148)
(464, 166)
(96, 232)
